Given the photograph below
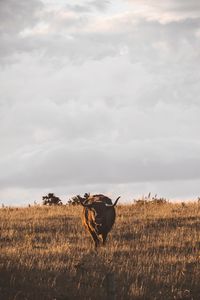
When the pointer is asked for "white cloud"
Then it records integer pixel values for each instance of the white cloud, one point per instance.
(168, 11)
(99, 98)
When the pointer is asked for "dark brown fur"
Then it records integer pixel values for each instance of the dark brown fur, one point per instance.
(98, 218)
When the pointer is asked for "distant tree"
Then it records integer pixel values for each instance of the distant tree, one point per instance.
(51, 199)
(76, 201)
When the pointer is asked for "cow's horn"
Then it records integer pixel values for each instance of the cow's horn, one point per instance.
(84, 202)
(112, 205)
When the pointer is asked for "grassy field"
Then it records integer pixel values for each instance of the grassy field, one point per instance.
(153, 252)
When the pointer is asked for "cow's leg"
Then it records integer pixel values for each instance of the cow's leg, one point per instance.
(95, 237)
(104, 236)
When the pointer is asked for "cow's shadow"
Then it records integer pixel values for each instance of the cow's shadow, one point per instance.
(97, 277)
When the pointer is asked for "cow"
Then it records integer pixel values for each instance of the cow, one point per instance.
(98, 216)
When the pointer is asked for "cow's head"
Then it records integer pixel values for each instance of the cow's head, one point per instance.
(98, 209)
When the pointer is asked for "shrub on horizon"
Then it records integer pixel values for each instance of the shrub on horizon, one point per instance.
(51, 199)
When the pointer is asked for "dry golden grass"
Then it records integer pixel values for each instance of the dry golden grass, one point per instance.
(153, 252)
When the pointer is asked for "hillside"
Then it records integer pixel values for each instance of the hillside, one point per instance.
(153, 252)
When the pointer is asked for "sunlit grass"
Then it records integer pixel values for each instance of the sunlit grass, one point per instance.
(153, 252)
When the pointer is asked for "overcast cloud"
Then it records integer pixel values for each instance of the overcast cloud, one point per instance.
(99, 96)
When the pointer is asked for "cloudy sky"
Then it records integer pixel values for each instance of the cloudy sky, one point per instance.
(101, 97)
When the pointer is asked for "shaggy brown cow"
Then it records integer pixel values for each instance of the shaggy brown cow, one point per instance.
(98, 216)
